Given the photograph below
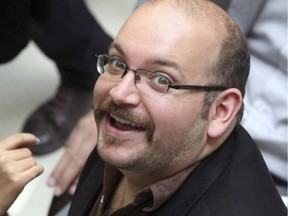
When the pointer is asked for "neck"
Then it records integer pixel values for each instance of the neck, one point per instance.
(140, 180)
(128, 187)
(132, 183)
(124, 194)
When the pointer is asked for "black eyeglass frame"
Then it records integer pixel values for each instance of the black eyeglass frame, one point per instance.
(177, 87)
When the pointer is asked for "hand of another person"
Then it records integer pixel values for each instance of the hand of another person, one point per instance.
(17, 167)
(78, 147)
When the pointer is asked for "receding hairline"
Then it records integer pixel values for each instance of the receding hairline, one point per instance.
(199, 9)
(205, 11)
(202, 11)
(232, 64)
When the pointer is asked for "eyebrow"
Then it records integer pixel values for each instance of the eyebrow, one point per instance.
(157, 61)
(116, 46)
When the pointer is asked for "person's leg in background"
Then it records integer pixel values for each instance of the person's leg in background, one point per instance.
(67, 33)
(14, 21)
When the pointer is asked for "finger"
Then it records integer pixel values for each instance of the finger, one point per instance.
(25, 164)
(31, 173)
(59, 169)
(10, 168)
(19, 140)
(72, 188)
(85, 131)
(63, 164)
(16, 154)
(75, 155)
(66, 179)
(15, 179)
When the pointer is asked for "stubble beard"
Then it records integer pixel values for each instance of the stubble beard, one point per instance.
(158, 153)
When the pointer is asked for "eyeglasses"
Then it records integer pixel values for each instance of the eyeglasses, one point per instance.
(115, 70)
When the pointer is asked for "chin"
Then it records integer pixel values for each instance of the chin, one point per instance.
(113, 155)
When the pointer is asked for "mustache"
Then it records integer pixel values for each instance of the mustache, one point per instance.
(123, 112)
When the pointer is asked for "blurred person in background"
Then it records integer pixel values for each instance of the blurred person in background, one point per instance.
(264, 23)
(68, 34)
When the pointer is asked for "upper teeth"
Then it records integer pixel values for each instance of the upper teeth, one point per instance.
(124, 121)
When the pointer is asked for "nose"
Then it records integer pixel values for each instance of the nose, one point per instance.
(126, 91)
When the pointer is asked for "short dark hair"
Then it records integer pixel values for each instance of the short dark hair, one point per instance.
(232, 66)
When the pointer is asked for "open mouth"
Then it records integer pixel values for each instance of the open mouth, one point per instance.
(124, 124)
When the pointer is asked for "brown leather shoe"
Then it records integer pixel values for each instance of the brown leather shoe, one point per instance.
(53, 121)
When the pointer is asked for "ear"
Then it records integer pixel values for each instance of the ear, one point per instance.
(223, 112)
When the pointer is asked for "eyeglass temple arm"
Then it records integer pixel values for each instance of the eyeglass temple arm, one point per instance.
(203, 88)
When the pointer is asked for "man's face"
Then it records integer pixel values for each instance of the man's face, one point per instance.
(149, 131)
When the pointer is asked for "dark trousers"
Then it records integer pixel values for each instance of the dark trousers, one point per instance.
(63, 29)
(14, 35)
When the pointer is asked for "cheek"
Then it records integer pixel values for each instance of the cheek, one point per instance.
(169, 118)
(174, 118)
(101, 91)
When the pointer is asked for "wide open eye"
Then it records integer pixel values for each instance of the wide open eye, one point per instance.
(158, 82)
(115, 63)
(115, 66)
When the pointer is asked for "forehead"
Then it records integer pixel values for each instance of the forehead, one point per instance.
(159, 31)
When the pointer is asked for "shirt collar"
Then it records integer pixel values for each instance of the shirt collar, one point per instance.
(158, 192)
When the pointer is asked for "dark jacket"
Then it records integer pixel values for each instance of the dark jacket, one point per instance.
(232, 181)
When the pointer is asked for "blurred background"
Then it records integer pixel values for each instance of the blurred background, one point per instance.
(31, 79)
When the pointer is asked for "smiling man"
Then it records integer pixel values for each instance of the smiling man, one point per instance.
(167, 108)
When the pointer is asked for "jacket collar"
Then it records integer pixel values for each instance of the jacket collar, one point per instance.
(208, 171)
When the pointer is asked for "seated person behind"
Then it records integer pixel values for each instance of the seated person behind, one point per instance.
(167, 107)
(17, 167)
